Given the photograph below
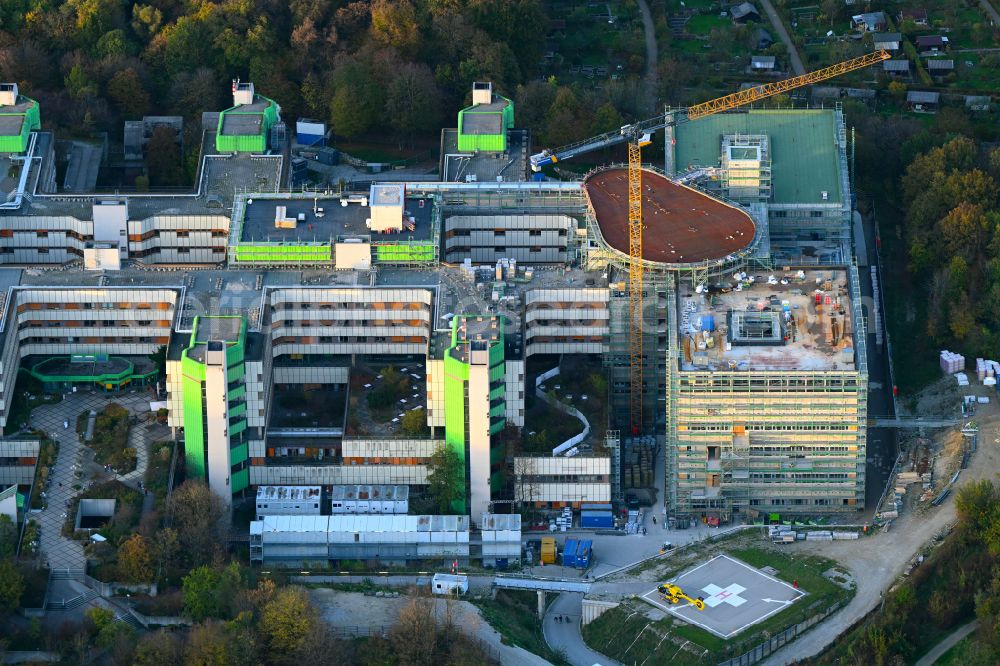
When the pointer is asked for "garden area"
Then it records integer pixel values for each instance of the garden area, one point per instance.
(390, 402)
(48, 450)
(110, 438)
(545, 426)
(128, 511)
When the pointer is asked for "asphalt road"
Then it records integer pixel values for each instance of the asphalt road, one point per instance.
(649, 32)
(779, 27)
(948, 643)
(565, 636)
(991, 11)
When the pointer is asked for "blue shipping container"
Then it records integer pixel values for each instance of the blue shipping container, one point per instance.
(583, 553)
(595, 507)
(310, 139)
(597, 519)
(569, 553)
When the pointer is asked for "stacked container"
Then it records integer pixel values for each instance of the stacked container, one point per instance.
(952, 362)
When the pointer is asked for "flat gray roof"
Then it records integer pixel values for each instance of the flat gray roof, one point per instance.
(337, 220)
(10, 125)
(386, 194)
(240, 123)
(217, 328)
(480, 122)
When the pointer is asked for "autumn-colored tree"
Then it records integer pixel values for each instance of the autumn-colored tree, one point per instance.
(395, 24)
(135, 560)
(414, 423)
(414, 637)
(160, 648)
(198, 517)
(127, 92)
(287, 619)
(207, 645)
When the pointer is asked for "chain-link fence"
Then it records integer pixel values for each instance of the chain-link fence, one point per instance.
(773, 644)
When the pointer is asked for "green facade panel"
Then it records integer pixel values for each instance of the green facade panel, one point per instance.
(493, 143)
(320, 253)
(247, 143)
(18, 143)
(456, 374)
(486, 143)
(239, 480)
(192, 385)
(404, 253)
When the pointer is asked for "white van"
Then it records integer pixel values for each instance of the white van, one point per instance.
(449, 584)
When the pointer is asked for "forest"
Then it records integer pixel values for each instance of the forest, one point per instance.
(386, 67)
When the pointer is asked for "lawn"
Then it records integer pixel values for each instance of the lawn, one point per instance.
(626, 631)
(704, 23)
(515, 615)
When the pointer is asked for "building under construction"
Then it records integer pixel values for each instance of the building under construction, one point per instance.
(755, 370)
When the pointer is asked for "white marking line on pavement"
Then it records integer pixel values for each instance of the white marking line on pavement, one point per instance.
(704, 564)
(797, 591)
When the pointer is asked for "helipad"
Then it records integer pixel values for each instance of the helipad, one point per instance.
(736, 596)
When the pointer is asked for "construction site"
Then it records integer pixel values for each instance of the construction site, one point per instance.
(710, 315)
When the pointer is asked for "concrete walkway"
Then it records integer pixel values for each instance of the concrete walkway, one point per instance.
(779, 27)
(565, 636)
(60, 552)
(949, 642)
(650, 78)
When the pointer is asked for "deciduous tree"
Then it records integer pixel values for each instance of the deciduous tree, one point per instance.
(135, 560)
(446, 479)
(287, 620)
(198, 517)
(11, 586)
(211, 592)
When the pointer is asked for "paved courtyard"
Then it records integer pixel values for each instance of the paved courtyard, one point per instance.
(59, 551)
(736, 596)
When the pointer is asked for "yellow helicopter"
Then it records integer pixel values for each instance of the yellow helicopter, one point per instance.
(673, 594)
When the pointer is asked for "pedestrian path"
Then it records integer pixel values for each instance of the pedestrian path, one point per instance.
(59, 422)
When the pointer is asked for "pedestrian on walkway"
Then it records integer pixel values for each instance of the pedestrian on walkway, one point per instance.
(654, 520)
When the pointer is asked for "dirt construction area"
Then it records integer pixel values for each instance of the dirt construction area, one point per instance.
(736, 596)
(876, 562)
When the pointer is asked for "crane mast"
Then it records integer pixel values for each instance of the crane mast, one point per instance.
(638, 135)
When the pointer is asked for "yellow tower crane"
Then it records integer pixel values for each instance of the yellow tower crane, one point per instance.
(638, 135)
